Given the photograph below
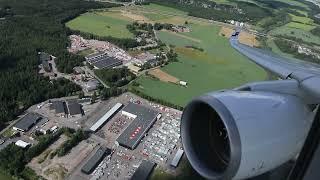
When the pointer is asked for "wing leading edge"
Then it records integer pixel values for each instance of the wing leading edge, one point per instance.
(307, 74)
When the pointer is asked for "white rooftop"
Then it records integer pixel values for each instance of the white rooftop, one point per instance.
(22, 144)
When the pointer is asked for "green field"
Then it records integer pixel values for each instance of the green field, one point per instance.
(295, 32)
(5, 177)
(102, 24)
(218, 67)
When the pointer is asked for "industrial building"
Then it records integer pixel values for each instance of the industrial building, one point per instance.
(91, 85)
(143, 117)
(106, 117)
(22, 144)
(59, 107)
(75, 109)
(95, 160)
(102, 60)
(132, 68)
(107, 62)
(26, 123)
(144, 171)
(175, 161)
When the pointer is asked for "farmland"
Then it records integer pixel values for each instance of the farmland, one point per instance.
(218, 67)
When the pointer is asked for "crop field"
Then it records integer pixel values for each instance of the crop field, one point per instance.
(217, 67)
(102, 24)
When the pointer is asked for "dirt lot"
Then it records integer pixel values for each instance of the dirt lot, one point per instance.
(163, 76)
(58, 167)
(244, 38)
(135, 17)
(183, 36)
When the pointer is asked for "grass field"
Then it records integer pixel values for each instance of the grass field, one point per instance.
(5, 177)
(102, 24)
(218, 67)
(295, 32)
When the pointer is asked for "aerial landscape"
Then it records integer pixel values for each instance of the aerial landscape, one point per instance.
(97, 89)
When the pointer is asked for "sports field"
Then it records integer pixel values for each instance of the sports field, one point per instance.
(218, 67)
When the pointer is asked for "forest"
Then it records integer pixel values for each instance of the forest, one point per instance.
(244, 11)
(115, 77)
(27, 27)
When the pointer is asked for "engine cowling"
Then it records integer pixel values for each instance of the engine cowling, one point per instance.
(242, 134)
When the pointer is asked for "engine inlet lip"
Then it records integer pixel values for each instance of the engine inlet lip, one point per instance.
(233, 136)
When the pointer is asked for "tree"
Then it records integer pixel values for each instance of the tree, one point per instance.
(81, 95)
(186, 23)
(93, 97)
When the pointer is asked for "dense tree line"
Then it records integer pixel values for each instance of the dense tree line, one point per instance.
(289, 48)
(13, 158)
(244, 11)
(149, 98)
(316, 31)
(278, 19)
(115, 77)
(160, 26)
(124, 43)
(31, 26)
(106, 93)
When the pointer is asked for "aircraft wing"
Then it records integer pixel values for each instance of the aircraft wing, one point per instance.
(307, 74)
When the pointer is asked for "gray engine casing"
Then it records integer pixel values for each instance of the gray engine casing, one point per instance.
(264, 130)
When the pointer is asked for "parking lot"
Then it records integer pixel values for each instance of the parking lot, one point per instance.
(159, 145)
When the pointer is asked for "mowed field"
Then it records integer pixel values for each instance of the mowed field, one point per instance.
(218, 67)
(107, 23)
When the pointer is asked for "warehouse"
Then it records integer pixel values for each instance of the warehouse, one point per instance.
(143, 117)
(144, 171)
(59, 107)
(95, 160)
(75, 109)
(106, 117)
(25, 123)
(175, 161)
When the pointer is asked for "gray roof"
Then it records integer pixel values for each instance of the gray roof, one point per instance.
(107, 62)
(44, 57)
(140, 111)
(59, 107)
(144, 171)
(106, 117)
(132, 135)
(175, 161)
(28, 121)
(95, 160)
(75, 109)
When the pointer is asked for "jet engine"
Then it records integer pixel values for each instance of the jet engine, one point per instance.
(239, 134)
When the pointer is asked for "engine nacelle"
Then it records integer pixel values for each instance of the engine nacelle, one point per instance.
(242, 134)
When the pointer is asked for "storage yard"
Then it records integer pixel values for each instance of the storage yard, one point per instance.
(125, 131)
(135, 130)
